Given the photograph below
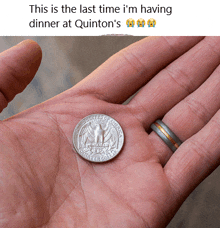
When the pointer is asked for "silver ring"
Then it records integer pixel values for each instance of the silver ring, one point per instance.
(171, 140)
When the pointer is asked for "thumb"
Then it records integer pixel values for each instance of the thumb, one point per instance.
(18, 65)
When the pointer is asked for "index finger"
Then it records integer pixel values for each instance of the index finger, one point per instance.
(127, 71)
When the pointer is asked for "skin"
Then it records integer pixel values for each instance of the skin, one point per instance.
(45, 183)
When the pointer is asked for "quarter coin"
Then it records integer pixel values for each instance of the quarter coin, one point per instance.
(98, 138)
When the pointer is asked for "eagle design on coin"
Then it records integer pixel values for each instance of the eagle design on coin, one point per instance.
(98, 138)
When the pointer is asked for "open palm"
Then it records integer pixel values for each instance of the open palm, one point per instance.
(45, 183)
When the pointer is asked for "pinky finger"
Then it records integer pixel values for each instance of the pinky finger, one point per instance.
(195, 159)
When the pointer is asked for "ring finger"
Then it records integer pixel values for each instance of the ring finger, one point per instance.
(190, 115)
(176, 81)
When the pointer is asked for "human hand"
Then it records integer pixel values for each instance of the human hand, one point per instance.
(44, 183)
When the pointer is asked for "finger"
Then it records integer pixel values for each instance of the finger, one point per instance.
(195, 159)
(176, 81)
(124, 73)
(18, 66)
(190, 115)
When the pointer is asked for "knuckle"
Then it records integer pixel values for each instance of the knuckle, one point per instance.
(180, 78)
(134, 61)
(173, 43)
(200, 149)
(11, 69)
(198, 109)
(13, 81)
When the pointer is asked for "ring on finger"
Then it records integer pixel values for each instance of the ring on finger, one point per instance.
(164, 132)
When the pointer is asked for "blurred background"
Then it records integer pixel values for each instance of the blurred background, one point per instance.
(66, 61)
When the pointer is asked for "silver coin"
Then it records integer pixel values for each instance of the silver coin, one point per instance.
(98, 138)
